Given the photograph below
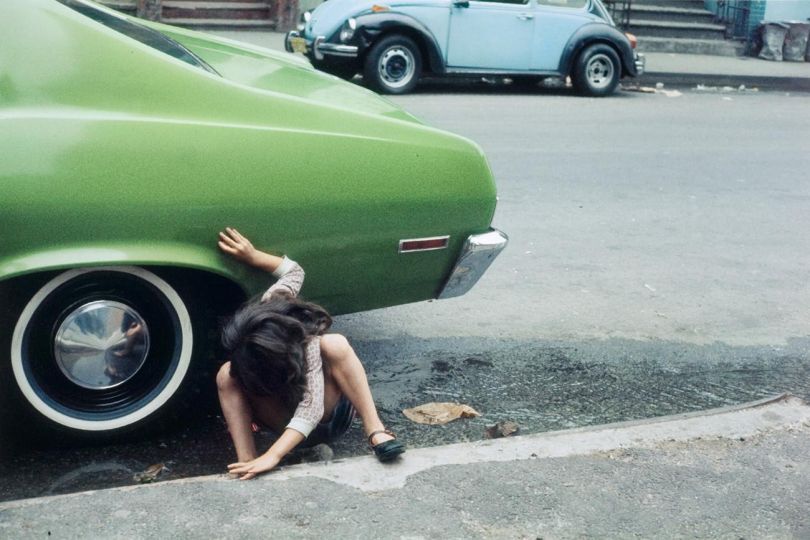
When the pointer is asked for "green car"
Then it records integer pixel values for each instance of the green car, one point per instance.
(126, 145)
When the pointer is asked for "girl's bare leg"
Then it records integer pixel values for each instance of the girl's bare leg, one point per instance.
(237, 412)
(347, 372)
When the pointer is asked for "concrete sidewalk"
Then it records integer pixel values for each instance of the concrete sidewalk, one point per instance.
(733, 472)
(690, 70)
(672, 69)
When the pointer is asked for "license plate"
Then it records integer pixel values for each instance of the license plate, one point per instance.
(298, 44)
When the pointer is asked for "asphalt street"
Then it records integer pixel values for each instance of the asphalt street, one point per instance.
(658, 264)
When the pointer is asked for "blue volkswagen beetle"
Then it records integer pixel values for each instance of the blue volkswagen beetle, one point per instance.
(393, 43)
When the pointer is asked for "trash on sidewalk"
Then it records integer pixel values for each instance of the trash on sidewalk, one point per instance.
(439, 413)
(150, 474)
(502, 429)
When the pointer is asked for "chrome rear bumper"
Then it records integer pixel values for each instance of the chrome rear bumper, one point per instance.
(477, 254)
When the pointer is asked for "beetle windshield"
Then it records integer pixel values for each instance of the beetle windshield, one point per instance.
(141, 33)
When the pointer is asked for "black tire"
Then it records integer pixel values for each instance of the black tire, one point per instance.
(393, 65)
(68, 370)
(597, 71)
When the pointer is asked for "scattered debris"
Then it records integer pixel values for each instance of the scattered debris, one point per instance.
(725, 89)
(150, 474)
(439, 413)
(651, 90)
(649, 287)
(555, 82)
(641, 89)
(502, 429)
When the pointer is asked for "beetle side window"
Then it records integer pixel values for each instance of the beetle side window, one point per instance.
(574, 4)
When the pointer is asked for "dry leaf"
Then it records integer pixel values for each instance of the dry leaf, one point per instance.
(149, 474)
(439, 413)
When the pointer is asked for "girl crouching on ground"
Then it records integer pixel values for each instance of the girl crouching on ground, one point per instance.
(285, 373)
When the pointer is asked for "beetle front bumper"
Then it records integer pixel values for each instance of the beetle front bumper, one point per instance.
(477, 254)
(640, 61)
(318, 48)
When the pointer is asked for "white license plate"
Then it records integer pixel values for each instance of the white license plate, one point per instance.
(298, 44)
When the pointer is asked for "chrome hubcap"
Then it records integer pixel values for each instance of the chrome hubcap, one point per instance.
(101, 345)
(397, 66)
(600, 71)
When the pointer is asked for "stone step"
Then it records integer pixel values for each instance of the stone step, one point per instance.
(667, 29)
(130, 7)
(713, 47)
(673, 14)
(683, 4)
(179, 9)
(221, 23)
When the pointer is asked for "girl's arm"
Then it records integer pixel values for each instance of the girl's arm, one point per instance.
(289, 439)
(241, 249)
(290, 273)
(306, 417)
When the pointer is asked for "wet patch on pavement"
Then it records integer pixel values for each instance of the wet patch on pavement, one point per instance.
(541, 386)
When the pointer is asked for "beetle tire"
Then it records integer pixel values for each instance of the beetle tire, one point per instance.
(393, 65)
(80, 394)
(597, 71)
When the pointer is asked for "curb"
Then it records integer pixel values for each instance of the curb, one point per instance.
(366, 474)
(787, 84)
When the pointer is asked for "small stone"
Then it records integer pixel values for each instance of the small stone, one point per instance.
(502, 429)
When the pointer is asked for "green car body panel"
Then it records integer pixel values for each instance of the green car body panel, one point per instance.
(121, 159)
(115, 153)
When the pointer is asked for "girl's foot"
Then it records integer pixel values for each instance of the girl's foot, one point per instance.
(385, 445)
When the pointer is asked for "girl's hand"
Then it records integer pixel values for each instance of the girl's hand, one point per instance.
(248, 470)
(238, 247)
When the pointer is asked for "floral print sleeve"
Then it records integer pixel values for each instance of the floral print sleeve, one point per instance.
(310, 409)
(290, 279)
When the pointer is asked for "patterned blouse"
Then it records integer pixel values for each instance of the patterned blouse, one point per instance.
(310, 410)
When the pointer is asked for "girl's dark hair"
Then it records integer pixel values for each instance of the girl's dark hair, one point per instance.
(265, 343)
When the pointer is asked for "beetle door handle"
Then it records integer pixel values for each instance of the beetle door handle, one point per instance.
(525, 16)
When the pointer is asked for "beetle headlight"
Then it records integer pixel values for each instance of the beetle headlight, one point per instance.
(347, 31)
(304, 21)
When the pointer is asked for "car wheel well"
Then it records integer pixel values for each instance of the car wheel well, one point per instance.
(584, 44)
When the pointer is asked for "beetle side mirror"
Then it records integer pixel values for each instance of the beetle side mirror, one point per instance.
(461, 3)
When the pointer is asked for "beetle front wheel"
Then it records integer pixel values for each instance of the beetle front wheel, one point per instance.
(597, 71)
(393, 65)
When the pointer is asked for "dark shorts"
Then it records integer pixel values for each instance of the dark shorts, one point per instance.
(328, 431)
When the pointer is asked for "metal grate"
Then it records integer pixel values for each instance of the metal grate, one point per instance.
(620, 11)
(735, 14)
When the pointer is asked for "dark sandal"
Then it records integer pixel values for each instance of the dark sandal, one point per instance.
(388, 450)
